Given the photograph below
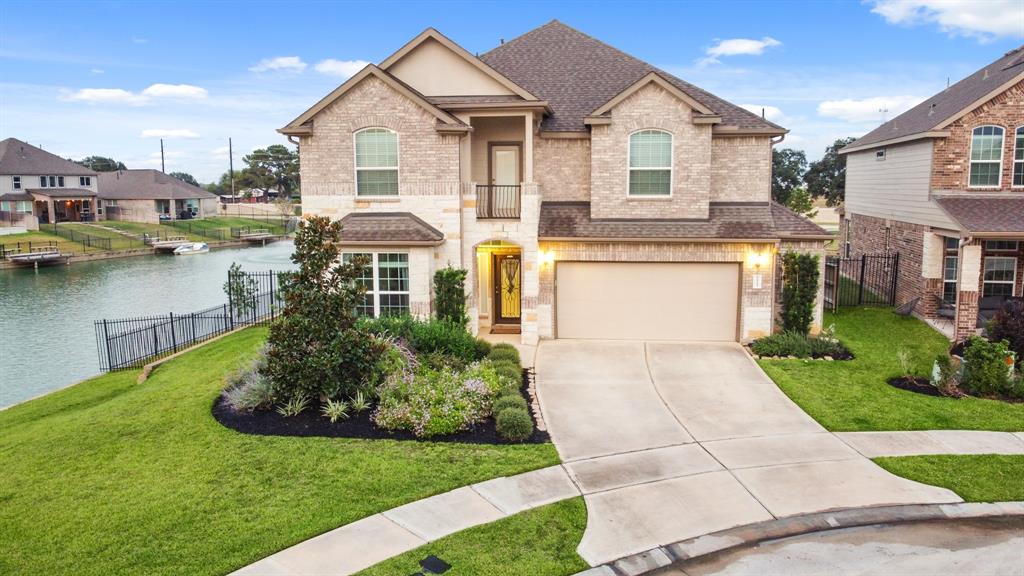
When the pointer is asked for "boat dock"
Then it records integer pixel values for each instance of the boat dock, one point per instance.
(43, 255)
(261, 235)
(168, 244)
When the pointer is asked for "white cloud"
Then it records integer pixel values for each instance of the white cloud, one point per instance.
(96, 71)
(340, 68)
(280, 64)
(105, 96)
(175, 91)
(981, 19)
(868, 110)
(165, 133)
(738, 47)
(772, 113)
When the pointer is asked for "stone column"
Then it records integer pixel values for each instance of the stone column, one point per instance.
(967, 296)
(932, 257)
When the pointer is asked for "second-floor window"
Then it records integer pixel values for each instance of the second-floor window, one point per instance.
(16, 182)
(1018, 158)
(650, 163)
(376, 162)
(986, 156)
(85, 180)
(51, 181)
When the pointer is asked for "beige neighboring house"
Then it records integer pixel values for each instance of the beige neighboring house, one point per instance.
(943, 185)
(37, 187)
(589, 194)
(149, 195)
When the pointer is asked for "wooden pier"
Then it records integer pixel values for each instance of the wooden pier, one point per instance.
(168, 244)
(261, 235)
(35, 257)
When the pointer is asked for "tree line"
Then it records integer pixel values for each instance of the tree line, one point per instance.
(271, 169)
(797, 183)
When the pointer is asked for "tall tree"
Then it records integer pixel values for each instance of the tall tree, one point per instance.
(800, 201)
(185, 177)
(275, 167)
(222, 187)
(101, 164)
(826, 178)
(788, 168)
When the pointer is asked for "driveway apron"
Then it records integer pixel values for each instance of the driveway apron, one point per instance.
(669, 441)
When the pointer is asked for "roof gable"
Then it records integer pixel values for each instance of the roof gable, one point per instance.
(576, 74)
(948, 106)
(20, 158)
(658, 80)
(435, 66)
(146, 184)
(299, 127)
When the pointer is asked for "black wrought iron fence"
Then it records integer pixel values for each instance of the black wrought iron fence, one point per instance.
(866, 281)
(494, 201)
(87, 240)
(254, 298)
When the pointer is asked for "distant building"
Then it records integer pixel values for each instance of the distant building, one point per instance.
(151, 195)
(37, 187)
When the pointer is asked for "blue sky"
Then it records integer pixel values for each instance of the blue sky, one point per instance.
(111, 78)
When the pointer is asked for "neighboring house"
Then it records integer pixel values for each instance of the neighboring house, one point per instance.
(37, 187)
(149, 195)
(943, 185)
(589, 194)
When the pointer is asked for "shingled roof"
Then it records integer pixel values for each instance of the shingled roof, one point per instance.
(388, 228)
(20, 158)
(985, 215)
(947, 105)
(146, 184)
(576, 74)
(726, 220)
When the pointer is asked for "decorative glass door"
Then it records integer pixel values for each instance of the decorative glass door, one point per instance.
(507, 284)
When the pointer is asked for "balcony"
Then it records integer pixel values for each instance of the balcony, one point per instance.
(498, 201)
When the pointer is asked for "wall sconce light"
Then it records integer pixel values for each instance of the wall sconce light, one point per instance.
(757, 260)
(547, 257)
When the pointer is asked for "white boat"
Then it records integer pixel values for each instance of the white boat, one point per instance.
(192, 248)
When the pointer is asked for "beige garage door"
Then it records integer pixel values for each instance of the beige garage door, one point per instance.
(647, 301)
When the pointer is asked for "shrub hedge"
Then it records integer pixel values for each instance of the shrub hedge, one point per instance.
(514, 424)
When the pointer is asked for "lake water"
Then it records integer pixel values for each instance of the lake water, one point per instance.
(47, 339)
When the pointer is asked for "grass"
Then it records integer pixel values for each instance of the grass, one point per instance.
(117, 241)
(853, 395)
(224, 224)
(537, 542)
(984, 478)
(11, 241)
(113, 477)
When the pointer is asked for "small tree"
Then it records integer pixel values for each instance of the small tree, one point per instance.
(241, 290)
(315, 349)
(799, 291)
(450, 295)
(1008, 324)
(800, 201)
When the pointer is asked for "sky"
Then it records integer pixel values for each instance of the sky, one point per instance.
(112, 78)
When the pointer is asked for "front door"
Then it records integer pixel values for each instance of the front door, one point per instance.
(507, 284)
(504, 165)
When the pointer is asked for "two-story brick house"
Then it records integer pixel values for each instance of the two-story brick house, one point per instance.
(943, 185)
(37, 187)
(589, 194)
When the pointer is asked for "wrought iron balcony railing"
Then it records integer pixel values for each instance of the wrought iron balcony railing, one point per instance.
(498, 201)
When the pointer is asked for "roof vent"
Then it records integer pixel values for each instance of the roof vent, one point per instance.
(502, 40)
(931, 109)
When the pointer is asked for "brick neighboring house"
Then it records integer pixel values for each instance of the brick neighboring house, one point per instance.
(589, 194)
(943, 185)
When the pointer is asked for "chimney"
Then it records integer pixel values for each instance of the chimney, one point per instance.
(502, 40)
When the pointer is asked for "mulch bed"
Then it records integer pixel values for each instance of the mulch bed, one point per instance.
(919, 385)
(311, 423)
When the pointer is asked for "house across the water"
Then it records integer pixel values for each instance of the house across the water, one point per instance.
(151, 195)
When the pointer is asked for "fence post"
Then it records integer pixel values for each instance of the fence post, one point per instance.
(156, 341)
(194, 338)
(230, 317)
(860, 283)
(174, 338)
(895, 279)
(106, 343)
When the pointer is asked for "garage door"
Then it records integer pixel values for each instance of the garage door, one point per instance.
(647, 301)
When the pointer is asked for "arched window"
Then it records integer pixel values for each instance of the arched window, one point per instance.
(986, 157)
(650, 163)
(1018, 158)
(376, 162)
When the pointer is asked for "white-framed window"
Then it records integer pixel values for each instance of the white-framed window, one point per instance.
(986, 157)
(386, 280)
(999, 277)
(85, 180)
(1018, 158)
(16, 182)
(376, 159)
(880, 154)
(650, 163)
(1002, 245)
(111, 202)
(950, 268)
(51, 181)
(22, 206)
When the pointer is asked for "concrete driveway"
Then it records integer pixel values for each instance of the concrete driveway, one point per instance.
(669, 441)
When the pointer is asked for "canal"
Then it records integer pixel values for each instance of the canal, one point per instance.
(47, 340)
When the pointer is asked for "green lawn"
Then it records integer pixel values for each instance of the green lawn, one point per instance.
(985, 478)
(112, 477)
(117, 241)
(12, 241)
(853, 395)
(226, 223)
(538, 542)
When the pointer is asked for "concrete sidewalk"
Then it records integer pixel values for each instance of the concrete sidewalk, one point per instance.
(670, 441)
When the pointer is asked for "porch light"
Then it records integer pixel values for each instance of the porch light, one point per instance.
(757, 259)
(547, 257)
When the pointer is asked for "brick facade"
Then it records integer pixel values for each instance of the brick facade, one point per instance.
(562, 168)
(650, 107)
(870, 235)
(741, 169)
(950, 164)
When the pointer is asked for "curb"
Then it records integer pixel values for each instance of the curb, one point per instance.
(662, 556)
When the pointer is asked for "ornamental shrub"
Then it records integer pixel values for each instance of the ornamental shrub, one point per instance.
(1008, 324)
(509, 400)
(514, 424)
(799, 291)
(428, 336)
(499, 354)
(483, 348)
(510, 373)
(450, 295)
(315, 349)
(508, 348)
(986, 369)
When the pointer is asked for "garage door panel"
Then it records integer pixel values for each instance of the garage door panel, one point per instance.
(647, 301)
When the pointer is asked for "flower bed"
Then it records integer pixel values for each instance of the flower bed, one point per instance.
(794, 345)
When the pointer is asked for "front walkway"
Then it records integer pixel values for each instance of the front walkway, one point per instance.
(669, 441)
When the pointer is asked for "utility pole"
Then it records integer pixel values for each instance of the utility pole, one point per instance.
(231, 166)
(162, 167)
